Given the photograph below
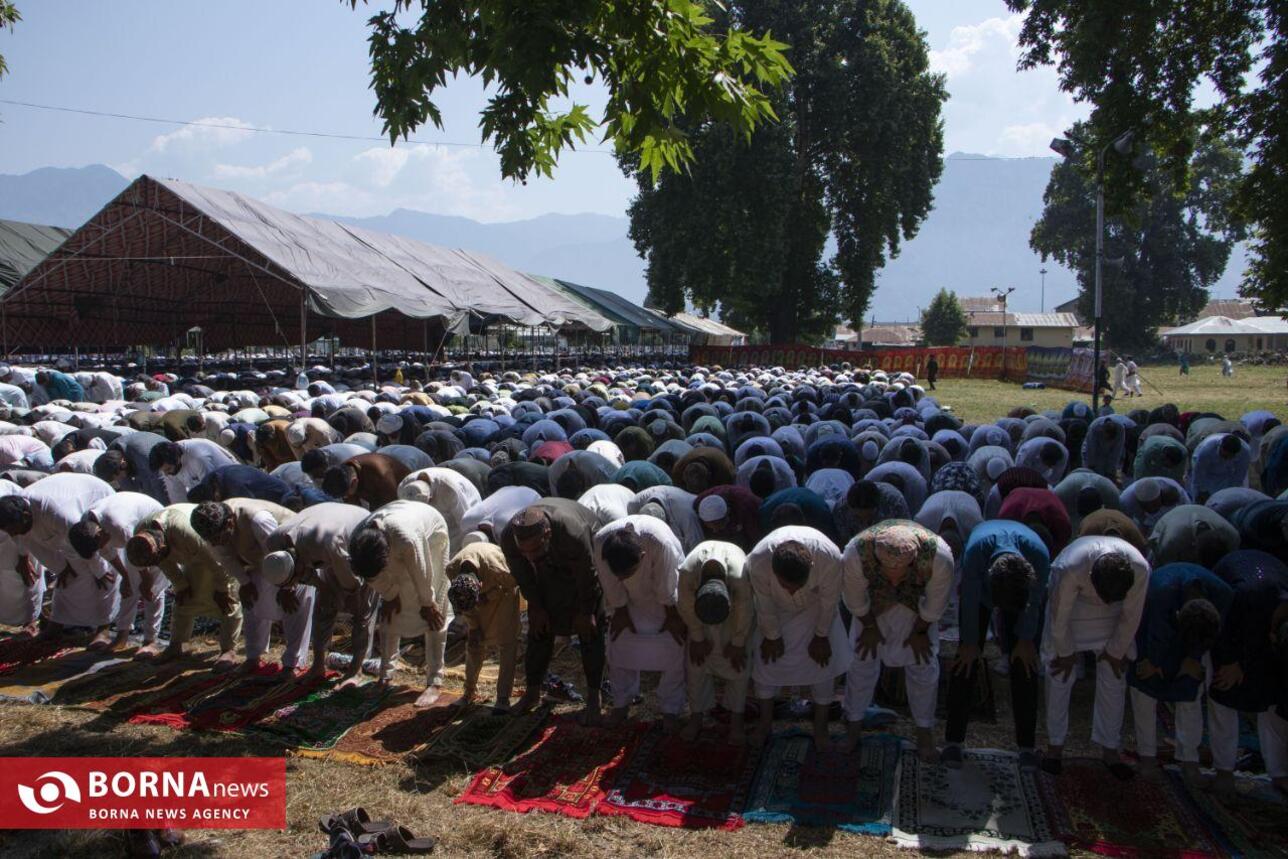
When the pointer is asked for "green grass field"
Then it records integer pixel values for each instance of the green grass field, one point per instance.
(984, 400)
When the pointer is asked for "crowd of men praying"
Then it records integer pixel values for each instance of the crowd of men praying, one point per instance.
(743, 534)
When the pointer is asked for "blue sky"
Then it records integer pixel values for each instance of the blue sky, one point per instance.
(298, 65)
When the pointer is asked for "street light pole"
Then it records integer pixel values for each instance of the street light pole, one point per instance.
(1122, 144)
(1042, 271)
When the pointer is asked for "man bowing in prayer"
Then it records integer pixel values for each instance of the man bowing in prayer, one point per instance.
(897, 577)
(239, 529)
(638, 561)
(1095, 599)
(484, 593)
(401, 550)
(795, 575)
(716, 603)
(550, 548)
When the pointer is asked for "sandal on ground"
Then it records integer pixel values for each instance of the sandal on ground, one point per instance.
(397, 840)
(356, 821)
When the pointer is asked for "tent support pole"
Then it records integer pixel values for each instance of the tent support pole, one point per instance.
(375, 367)
(304, 317)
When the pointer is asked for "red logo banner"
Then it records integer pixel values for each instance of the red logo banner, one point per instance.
(142, 793)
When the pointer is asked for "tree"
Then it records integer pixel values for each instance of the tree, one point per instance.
(856, 156)
(1138, 64)
(8, 17)
(943, 323)
(1174, 242)
(659, 59)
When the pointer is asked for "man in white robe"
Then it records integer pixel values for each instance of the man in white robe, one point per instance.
(87, 590)
(1096, 594)
(186, 463)
(448, 492)
(239, 529)
(401, 551)
(716, 602)
(795, 575)
(22, 587)
(637, 560)
(103, 531)
(897, 579)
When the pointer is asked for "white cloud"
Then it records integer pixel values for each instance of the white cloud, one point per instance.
(214, 131)
(1028, 137)
(385, 162)
(290, 162)
(990, 36)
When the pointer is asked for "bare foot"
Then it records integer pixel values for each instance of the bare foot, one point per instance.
(692, 727)
(350, 682)
(148, 650)
(226, 662)
(527, 703)
(119, 643)
(429, 697)
(101, 641)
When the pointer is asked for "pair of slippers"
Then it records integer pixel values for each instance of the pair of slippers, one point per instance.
(354, 834)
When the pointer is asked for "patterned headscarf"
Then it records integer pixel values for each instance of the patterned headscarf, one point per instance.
(960, 477)
(897, 543)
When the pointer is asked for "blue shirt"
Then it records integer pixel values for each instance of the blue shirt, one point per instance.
(1158, 638)
(987, 542)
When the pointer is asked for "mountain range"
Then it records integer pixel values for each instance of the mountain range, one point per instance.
(976, 238)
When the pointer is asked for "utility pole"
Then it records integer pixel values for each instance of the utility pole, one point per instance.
(1001, 297)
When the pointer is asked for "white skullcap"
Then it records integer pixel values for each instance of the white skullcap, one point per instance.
(277, 568)
(712, 509)
(870, 451)
(995, 467)
(1147, 491)
(389, 424)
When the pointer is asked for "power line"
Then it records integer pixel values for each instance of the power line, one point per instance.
(362, 137)
(259, 130)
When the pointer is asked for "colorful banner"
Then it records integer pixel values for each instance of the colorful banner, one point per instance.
(954, 361)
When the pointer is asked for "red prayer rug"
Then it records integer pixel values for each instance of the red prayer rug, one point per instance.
(669, 781)
(1141, 819)
(565, 772)
(228, 702)
(18, 651)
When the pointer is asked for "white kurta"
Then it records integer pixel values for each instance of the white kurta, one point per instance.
(681, 515)
(646, 595)
(449, 492)
(416, 575)
(200, 457)
(796, 618)
(608, 501)
(19, 602)
(736, 629)
(498, 509)
(1077, 619)
(119, 515)
(57, 503)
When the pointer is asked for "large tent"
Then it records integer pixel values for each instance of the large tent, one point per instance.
(632, 322)
(23, 246)
(165, 256)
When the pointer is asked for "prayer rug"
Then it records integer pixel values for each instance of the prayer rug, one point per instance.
(98, 690)
(853, 792)
(669, 781)
(565, 772)
(260, 694)
(1087, 807)
(1251, 823)
(169, 680)
(987, 805)
(480, 738)
(39, 683)
(19, 651)
(175, 708)
(319, 721)
(391, 734)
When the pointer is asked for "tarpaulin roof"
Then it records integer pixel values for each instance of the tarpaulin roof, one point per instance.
(167, 255)
(706, 325)
(617, 308)
(23, 246)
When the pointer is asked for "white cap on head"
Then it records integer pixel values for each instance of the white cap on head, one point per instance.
(389, 424)
(713, 508)
(870, 451)
(277, 568)
(1148, 491)
(474, 537)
